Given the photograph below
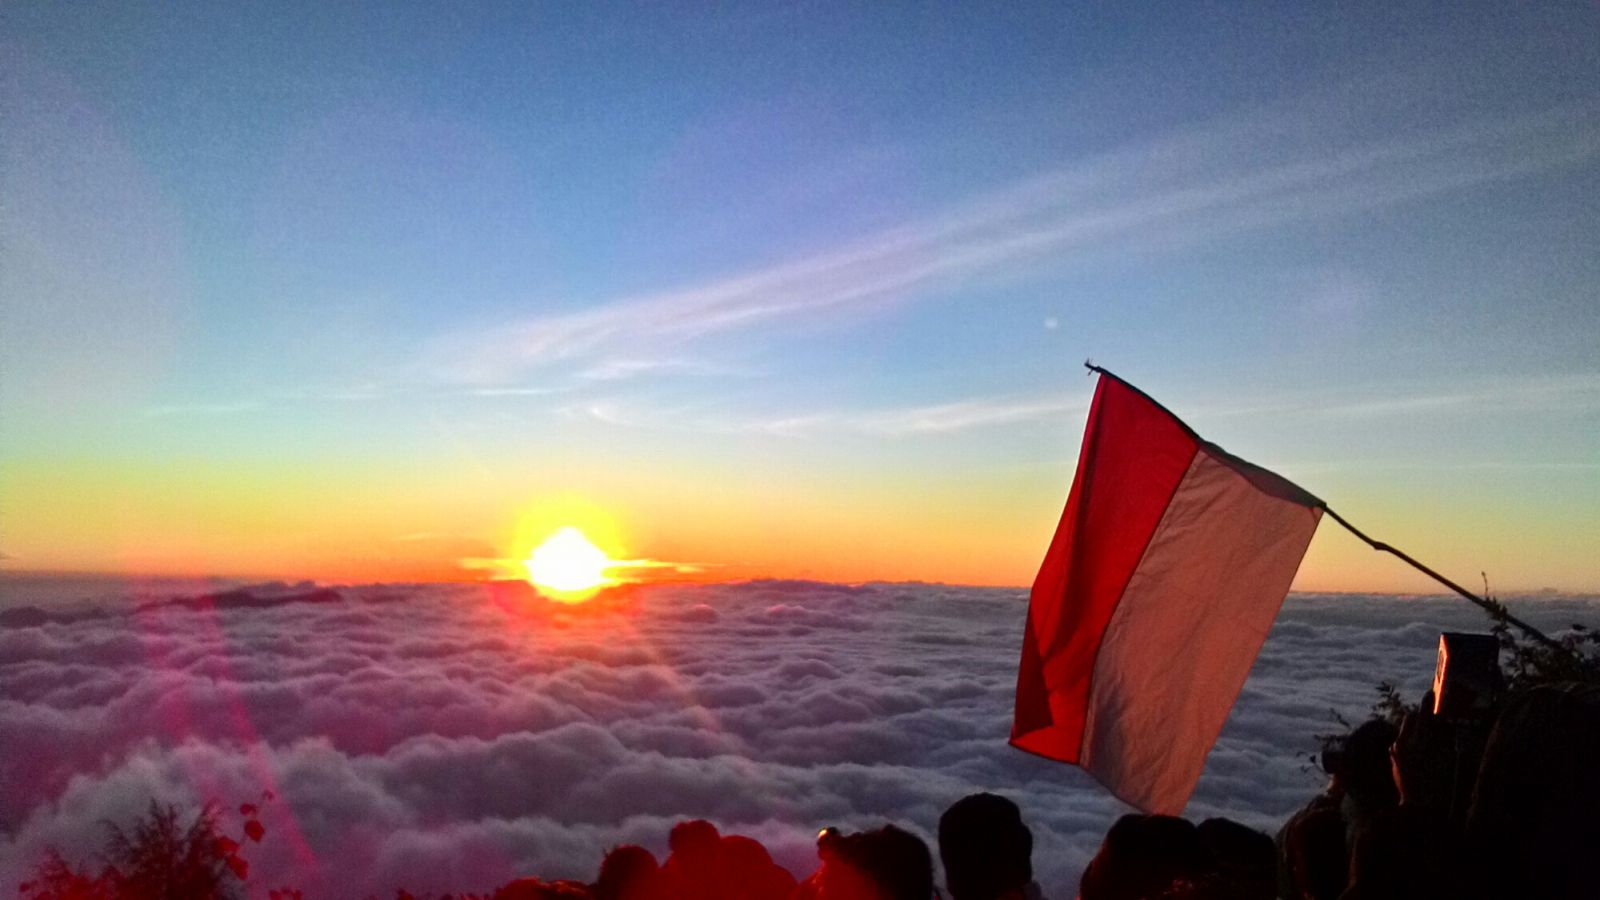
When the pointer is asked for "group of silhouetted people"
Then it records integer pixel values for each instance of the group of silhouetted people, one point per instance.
(1432, 808)
(986, 850)
(984, 847)
(1498, 801)
(1496, 806)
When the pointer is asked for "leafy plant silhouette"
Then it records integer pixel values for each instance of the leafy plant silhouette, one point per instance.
(1574, 655)
(158, 858)
(1525, 662)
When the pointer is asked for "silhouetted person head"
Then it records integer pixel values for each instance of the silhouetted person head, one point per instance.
(628, 872)
(693, 871)
(539, 889)
(1244, 863)
(750, 870)
(985, 848)
(1145, 856)
(887, 864)
(1429, 759)
(694, 838)
(1367, 773)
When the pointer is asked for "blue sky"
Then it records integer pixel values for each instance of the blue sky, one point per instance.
(813, 245)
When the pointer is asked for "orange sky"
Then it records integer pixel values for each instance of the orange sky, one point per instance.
(379, 522)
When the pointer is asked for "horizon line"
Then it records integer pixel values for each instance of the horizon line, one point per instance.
(257, 579)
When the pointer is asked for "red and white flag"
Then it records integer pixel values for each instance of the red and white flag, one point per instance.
(1169, 565)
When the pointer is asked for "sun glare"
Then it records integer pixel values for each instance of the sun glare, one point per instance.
(568, 566)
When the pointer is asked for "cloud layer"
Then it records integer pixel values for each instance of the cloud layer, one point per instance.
(453, 737)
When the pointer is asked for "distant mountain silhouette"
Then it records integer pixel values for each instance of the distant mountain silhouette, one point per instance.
(244, 598)
(238, 598)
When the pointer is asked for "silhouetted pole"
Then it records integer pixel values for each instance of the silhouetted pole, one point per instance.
(1494, 609)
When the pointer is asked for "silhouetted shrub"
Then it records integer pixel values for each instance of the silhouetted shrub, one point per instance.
(158, 858)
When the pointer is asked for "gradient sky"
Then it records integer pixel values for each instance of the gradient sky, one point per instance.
(793, 291)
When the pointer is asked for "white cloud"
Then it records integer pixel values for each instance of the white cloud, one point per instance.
(938, 418)
(624, 368)
(201, 409)
(453, 737)
(895, 421)
(1179, 190)
(1574, 392)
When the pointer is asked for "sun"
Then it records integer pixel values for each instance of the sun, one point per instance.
(568, 566)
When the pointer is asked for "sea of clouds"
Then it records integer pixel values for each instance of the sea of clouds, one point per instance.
(453, 737)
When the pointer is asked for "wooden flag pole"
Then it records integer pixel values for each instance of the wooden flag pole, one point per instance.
(1488, 606)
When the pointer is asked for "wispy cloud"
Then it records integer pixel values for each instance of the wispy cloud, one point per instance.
(228, 408)
(1579, 391)
(1575, 391)
(523, 391)
(1185, 189)
(623, 368)
(1367, 465)
(1531, 393)
(357, 393)
(639, 569)
(623, 570)
(353, 394)
(611, 412)
(898, 421)
(941, 418)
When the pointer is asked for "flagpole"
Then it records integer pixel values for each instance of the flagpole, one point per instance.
(1488, 606)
